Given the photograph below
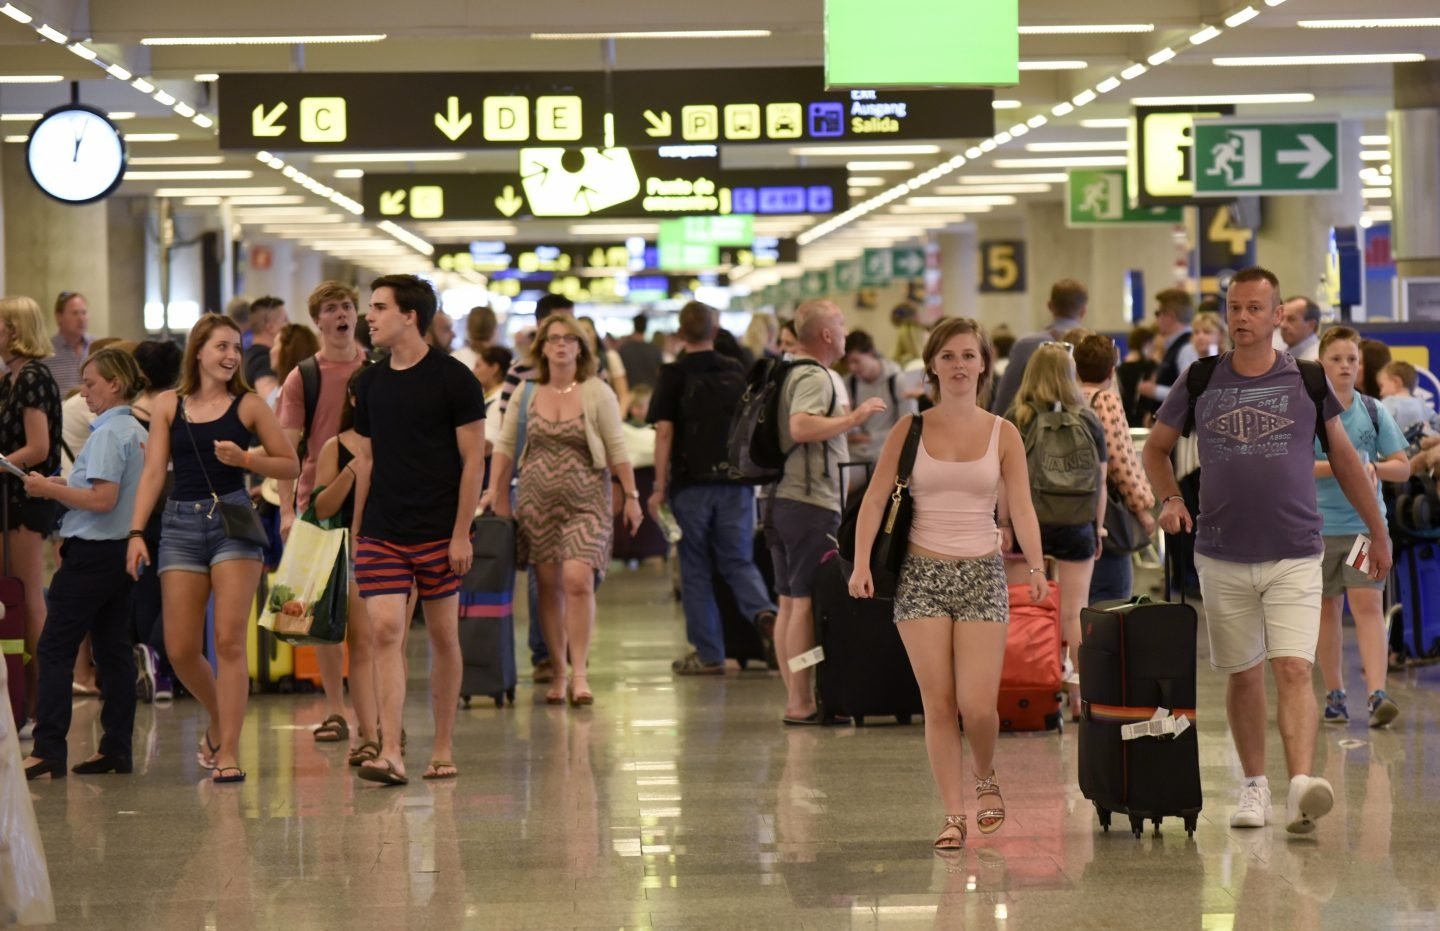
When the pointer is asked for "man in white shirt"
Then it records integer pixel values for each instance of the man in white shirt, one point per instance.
(1301, 328)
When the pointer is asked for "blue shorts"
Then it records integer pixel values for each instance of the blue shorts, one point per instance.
(192, 536)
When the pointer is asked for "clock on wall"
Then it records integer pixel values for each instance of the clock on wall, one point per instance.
(75, 154)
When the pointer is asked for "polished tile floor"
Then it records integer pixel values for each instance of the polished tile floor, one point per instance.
(684, 804)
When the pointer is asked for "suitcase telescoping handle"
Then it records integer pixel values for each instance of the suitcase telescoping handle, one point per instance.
(1165, 561)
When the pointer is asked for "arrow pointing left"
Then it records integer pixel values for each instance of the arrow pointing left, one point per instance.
(451, 123)
(263, 124)
(1315, 156)
(392, 203)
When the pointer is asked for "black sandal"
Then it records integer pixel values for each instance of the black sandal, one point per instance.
(334, 729)
(228, 774)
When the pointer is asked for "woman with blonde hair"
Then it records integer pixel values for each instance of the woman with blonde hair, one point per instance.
(1069, 495)
(762, 336)
(1208, 334)
(571, 443)
(30, 427)
(90, 593)
(210, 537)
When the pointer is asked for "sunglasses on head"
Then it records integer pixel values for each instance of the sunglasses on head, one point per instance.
(1068, 347)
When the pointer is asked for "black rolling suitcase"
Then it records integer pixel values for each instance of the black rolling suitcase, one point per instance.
(487, 619)
(866, 672)
(1135, 657)
(742, 639)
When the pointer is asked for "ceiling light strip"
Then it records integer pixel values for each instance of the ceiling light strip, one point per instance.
(1205, 33)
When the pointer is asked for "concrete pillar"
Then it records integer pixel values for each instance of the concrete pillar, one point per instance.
(126, 234)
(52, 247)
(959, 273)
(1415, 160)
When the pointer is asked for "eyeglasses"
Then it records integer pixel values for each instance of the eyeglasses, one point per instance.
(1068, 347)
(562, 339)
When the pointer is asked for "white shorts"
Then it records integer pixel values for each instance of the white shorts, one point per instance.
(1259, 611)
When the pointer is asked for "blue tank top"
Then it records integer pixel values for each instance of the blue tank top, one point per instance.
(191, 469)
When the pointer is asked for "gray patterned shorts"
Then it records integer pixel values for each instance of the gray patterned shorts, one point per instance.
(960, 589)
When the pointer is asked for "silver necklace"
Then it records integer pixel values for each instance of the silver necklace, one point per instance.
(567, 389)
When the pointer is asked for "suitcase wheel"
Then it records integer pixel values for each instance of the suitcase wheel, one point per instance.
(1191, 822)
(1104, 815)
(465, 701)
(499, 700)
(859, 720)
(1137, 825)
(510, 695)
(903, 719)
(1024, 703)
(1157, 827)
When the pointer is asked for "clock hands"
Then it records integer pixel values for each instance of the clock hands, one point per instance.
(80, 137)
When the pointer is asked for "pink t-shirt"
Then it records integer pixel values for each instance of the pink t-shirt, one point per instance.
(291, 410)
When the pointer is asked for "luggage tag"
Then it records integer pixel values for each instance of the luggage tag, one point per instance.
(1359, 557)
(807, 659)
(1162, 724)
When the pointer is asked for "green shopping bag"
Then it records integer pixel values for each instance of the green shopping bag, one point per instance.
(310, 591)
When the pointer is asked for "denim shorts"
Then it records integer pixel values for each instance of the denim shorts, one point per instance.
(192, 536)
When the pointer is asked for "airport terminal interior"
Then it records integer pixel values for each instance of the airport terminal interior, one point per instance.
(905, 161)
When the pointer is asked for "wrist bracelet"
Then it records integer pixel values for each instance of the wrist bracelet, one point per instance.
(134, 533)
(1172, 498)
(1033, 571)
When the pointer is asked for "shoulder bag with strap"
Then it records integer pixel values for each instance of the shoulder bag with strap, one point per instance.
(1123, 531)
(526, 390)
(240, 520)
(888, 553)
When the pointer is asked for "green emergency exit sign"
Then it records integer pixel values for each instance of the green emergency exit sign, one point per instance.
(1244, 156)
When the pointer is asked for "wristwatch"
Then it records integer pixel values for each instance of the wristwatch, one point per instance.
(633, 494)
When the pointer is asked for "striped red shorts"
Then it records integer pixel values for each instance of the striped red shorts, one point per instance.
(383, 568)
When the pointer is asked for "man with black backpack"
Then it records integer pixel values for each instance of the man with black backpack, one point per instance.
(871, 376)
(309, 408)
(1256, 412)
(695, 398)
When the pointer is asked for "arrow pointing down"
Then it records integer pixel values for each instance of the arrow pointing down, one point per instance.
(659, 125)
(508, 202)
(263, 124)
(1314, 156)
(451, 123)
(392, 203)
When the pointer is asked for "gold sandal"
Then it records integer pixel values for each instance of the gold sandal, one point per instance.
(988, 820)
(947, 840)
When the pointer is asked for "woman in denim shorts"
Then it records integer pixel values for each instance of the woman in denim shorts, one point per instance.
(205, 428)
(952, 605)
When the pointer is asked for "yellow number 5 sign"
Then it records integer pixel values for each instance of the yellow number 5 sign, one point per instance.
(1002, 267)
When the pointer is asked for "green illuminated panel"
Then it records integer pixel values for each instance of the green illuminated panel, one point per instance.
(921, 43)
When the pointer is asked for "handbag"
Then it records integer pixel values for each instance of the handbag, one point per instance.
(310, 590)
(888, 553)
(241, 522)
(1124, 534)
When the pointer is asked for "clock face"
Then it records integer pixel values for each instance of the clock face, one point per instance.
(75, 154)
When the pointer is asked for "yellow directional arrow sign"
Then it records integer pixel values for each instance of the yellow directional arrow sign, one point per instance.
(508, 203)
(451, 123)
(392, 203)
(660, 125)
(263, 124)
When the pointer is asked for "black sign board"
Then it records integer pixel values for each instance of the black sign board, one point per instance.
(769, 105)
(522, 259)
(559, 183)
(1161, 162)
(411, 111)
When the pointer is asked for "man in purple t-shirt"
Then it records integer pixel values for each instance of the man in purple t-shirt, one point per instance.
(1258, 538)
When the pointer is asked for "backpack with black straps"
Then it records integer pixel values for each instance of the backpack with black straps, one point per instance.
(310, 397)
(754, 450)
(1198, 375)
(1064, 466)
(708, 403)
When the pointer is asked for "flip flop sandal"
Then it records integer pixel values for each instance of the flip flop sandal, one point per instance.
(228, 774)
(810, 720)
(367, 750)
(205, 751)
(334, 729)
(384, 774)
(432, 772)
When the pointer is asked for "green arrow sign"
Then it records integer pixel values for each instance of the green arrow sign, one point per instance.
(1245, 156)
(847, 276)
(1096, 197)
(907, 262)
(815, 283)
(875, 268)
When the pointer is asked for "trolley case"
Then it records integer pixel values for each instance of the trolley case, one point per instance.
(1031, 682)
(1135, 657)
(487, 619)
(866, 671)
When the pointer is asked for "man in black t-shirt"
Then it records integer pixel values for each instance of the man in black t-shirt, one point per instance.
(420, 415)
(694, 400)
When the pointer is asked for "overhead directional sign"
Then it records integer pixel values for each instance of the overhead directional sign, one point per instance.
(759, 105)
(875, 268)
(411, 111)
(519, 259)
(763, 252)
(605, 182)
(1159, 161)
(1248, 156)
(907, 261)
(846, 275)
(815, 283)
(1096, 197)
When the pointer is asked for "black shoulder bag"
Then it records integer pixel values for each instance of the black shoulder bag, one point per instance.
(888, 553)
(240, 520)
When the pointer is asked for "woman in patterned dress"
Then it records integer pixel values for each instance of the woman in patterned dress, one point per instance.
(570, 444)
(30, 438)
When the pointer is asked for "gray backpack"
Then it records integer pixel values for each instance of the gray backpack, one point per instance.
(1064, 467)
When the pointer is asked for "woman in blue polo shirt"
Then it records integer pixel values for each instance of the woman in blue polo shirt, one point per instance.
(90, 593)
(1378, 440)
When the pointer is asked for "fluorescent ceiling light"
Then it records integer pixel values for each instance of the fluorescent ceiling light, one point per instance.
(1119, 145)
(207, 77)
(177, 160)
(973, 189)
(963, 203)
(879, 166)
(220, 191)
(1056, 65)
(53, 34)
(1036, 121)
(264, 40)
(1364, 140)
(1374, 192)
(614, 229)
(1006, 104)
(17, 138)
(867, 181)
(1134, 71)
(1049, 177)
(658, 34)
(20, 117)
(1375, 155)
(1240, 17)
(1082, 98)
(31, 78)
(1204, 35)
(349, 172)
(119, 72)
(15, 13)
(1397, 22)
(1081, 29)
(151, 137)
(1107, 123)
(251, 212)
(865, 150)
(227, 174)
(1107, 85)
(84, 51)
(1063, 108)
(142, 85)
(347, 157)
(1162, 56)
(1186, 100)
(1074, 161)
(1260, 61)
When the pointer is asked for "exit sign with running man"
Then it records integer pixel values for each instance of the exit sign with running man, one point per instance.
(1246, 156)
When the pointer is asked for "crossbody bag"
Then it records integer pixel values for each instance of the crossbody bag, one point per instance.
(240, 520)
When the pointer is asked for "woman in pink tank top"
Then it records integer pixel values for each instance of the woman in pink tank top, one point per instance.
(951, 603)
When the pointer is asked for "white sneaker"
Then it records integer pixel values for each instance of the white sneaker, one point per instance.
(1310, 798)
(1253, 811)
(27, 730)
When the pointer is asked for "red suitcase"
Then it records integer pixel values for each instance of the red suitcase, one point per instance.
(12, 626)
(1030, 683)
